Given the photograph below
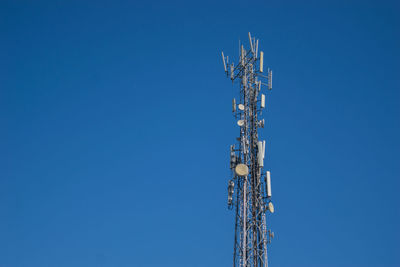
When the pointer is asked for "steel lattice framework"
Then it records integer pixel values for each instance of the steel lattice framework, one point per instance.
(249, 190)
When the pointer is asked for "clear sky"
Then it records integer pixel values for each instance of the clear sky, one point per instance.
(116, 124)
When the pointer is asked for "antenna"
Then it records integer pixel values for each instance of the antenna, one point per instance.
(223, 59)
(251, 200)
(231, 186)
(261, 123)
(242, 56)
(257, 49)
(251, 43)
(271, 207)
(262, 101)
(233, 157)
(263, 149)
(260, 154)
(268, 180)
(242, 170)
(269, 79)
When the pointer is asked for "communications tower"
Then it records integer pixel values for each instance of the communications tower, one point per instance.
(249, 190)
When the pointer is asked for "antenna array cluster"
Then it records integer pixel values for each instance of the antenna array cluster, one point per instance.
(249, 190)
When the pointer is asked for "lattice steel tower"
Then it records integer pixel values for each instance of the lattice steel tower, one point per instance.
(249, 190)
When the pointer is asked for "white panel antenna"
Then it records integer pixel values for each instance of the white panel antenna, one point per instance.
(269, 79)
(257, 48)
(268, 178)
(262, 101)
(263, 149)
(251, 43)
(223, 59)
(261, 61)
(260, 154)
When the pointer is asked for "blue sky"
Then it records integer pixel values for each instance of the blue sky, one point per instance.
(116, 125)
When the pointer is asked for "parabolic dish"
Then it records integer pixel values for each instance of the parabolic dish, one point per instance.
(240, 123)
(241, 106)
(241, 170)
(271, 207)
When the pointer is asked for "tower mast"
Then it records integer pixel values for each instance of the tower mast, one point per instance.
(249, 190)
